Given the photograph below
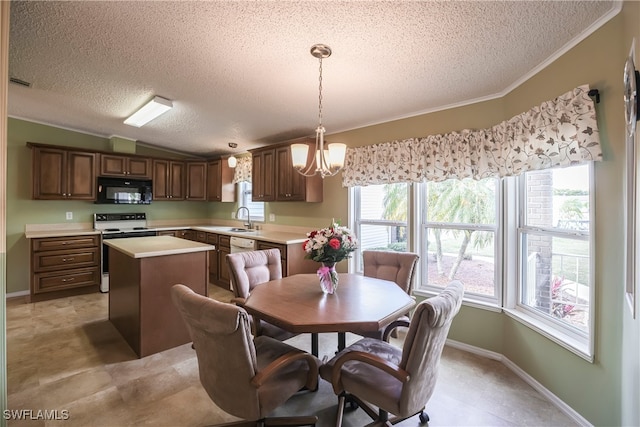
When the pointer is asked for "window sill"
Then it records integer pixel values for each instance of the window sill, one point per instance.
(469, 302)
(562, 339)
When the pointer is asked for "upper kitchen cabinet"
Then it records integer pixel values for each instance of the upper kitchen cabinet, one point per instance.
(196, 181)
(63, 174)
(220, 187)
(128, 166)
(263, 175)
(168, 180)
(291, 185)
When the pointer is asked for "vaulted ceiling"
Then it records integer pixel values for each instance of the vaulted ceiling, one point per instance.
(241, 71)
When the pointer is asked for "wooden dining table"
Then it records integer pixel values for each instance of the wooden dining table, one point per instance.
(297, 304)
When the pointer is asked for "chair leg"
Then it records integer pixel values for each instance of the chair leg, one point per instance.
(341, 402)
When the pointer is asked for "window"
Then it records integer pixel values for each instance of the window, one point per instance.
(244, 199)
(381, 218)
(522, 244)
(459, 236)
(555, 248)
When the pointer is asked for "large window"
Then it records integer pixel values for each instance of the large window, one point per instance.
(555, 251)
(381, 218)
(522, 244)
(459, 236)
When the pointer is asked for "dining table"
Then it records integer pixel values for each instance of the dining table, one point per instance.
(360, 304)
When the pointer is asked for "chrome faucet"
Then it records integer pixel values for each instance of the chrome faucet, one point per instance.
(248, 223)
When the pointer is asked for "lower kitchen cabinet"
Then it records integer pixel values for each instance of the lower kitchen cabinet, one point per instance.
(292, 256)
(223, 249)
(65, 266)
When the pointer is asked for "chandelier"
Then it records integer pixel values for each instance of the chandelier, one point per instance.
(328, 160)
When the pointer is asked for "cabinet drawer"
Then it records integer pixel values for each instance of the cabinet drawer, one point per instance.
(212, 239)
(50, 282)
(268, 245)
(58, 243)
(224, 241)
(63, 260)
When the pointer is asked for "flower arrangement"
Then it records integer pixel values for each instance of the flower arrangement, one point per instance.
(330, 245)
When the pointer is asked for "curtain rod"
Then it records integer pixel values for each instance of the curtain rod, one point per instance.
(596, 93)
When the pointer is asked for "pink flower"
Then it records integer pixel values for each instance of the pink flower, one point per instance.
(334, 243)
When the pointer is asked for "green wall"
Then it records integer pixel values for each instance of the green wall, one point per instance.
(601, 391)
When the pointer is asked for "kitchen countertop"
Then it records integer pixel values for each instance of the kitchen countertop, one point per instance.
(264, 235)
(284, 238)
(144, 247)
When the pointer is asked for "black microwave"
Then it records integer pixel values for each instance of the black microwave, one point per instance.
(123, 191)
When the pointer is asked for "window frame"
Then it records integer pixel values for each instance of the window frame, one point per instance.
(356, 223)
(243, 197)
(571, 338)
(496, 228)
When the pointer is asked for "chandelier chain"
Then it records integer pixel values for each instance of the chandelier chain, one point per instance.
(320, 95)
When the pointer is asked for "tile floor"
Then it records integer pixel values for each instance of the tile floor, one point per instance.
(64, 355)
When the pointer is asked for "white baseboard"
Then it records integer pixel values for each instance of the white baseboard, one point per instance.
(555, 400)
(17, 294)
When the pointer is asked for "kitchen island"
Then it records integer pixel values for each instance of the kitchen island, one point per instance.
(142, 271)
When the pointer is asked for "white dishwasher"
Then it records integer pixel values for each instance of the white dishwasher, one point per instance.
(240, 244)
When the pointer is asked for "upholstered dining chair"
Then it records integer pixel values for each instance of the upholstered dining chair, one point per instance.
(245, 376)
(396, 381)
(248, 270)
(398, 267)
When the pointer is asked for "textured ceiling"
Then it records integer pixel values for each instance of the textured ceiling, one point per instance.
(241, 71)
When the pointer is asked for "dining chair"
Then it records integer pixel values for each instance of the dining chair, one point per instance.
(396, 381)
(248, 270)
(244, 376)
(397, 267)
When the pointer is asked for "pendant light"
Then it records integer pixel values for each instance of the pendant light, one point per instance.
(328, 160)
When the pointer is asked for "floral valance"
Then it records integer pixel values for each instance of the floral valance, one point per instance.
(560, 132)
(242, 171)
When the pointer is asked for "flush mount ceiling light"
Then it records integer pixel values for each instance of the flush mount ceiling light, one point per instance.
(149, 111)
(327, 161)
(232, 161)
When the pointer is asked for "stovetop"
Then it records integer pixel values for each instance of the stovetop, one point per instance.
(120, 222)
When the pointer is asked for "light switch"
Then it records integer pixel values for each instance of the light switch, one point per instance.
(272, 217)
(69, 215)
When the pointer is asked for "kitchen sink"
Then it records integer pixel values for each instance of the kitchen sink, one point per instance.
(241, 230)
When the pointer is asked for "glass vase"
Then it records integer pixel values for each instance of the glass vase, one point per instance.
(328, 278)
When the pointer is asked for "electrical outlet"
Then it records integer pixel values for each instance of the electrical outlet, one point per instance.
(272, 217)
(233, 215)
(69, 215)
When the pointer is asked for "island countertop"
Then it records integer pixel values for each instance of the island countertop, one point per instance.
(153, 246)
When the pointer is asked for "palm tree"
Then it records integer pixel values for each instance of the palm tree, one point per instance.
(395, 206)
(464, 202)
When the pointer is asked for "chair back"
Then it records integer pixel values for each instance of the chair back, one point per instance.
(219, 330)
(398, 267)
(424, 343)
(249, 269)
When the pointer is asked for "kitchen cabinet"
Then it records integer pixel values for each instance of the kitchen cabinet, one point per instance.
(292, 257)
(223, 249)
(220, 187)
(127, 166)
(275, 179)
(212, 239)
(60, 174)
(196, 181)
(168, 179)
(291, 185)
(65, 266)
(263, 175)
